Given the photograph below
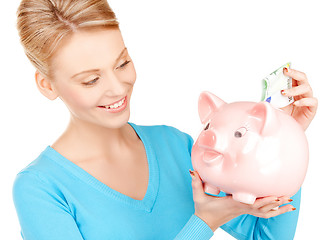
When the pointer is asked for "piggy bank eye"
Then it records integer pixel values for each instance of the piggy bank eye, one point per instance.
(207, 126)
(240, 132)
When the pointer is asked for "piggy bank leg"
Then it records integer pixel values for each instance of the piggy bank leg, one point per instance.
(211, 189)
(244, 198)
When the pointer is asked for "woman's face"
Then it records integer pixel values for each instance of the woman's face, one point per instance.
(92, 71)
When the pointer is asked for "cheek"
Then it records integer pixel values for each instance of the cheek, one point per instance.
(77, 99)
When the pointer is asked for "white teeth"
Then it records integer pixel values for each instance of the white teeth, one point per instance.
(116, 105)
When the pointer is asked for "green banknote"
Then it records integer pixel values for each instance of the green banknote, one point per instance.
(272, 86)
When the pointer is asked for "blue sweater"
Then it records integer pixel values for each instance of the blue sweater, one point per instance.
(56, 199)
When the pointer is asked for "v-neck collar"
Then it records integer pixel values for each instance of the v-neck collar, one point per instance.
(149, 199)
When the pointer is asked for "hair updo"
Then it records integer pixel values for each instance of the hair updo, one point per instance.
(43, 24)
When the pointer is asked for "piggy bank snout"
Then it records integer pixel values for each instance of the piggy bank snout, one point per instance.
(207, 141)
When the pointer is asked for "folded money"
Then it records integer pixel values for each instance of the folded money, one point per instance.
(272, 86)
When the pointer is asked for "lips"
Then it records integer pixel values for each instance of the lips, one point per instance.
(113, 102)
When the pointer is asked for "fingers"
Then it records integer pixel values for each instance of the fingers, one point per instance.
(261, 202)
(307, 102)
(275, 204)
(296, 75)
(197, 186)
(279, 211)
(303, 89)
(270, 206)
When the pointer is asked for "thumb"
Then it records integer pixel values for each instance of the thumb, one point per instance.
(197, 186)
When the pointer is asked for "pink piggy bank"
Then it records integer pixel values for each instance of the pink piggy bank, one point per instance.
(249, 150)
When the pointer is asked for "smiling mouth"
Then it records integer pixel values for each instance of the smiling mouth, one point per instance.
(115, 105)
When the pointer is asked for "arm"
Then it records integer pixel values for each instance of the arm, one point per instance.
(247, 227)
(195, 228)
(245, 221)
(42, 214)
(281, 227)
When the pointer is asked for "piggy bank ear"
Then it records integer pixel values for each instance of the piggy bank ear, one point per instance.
(208, 103)
(264, 118)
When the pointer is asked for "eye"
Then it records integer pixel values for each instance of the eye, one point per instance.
(91, 82)
(207, 126)
(240, 132)
(124, 64)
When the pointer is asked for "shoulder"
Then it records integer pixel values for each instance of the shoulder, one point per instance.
(41, 164)
(29, 186)
(26, 182)
(41, 182)
(36, 175)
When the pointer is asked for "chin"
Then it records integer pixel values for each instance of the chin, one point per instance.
(116, 121)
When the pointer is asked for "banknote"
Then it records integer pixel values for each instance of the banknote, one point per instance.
(272, 86)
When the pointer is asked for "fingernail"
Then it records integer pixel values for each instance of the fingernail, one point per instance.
(286, 70)
(192, 174)
(290, 200)
(293, 209)
(283, 92)
(277, 200)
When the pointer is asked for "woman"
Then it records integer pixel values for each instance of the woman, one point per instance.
(106, 178)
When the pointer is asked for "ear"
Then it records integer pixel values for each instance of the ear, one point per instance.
(264, 118)
(208, 103)
(45, 86)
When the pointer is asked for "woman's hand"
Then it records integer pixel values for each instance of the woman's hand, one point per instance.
(304, 107)
(216, 211)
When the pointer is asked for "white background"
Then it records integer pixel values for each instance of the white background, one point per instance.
(179, 49)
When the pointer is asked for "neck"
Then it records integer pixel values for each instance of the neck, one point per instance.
(83, 140)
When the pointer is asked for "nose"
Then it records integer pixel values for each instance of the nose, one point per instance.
(114, 86)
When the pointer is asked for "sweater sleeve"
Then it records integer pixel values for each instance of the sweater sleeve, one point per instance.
(248, 227)
(282, 227)
(195, 228)
(41, 212)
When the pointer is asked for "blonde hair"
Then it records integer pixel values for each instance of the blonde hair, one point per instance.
(43, 24)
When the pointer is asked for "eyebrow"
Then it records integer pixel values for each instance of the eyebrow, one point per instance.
(94, 70)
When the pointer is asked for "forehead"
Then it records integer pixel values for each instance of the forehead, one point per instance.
(88, 49)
